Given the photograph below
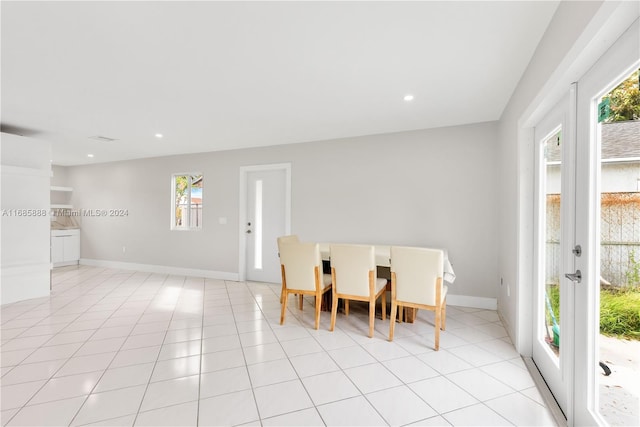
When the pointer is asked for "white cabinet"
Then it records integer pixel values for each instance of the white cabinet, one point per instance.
(65, 247)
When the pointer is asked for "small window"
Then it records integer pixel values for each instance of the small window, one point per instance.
(186, 201)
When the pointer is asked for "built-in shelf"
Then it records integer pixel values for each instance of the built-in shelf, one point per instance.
(60, 197)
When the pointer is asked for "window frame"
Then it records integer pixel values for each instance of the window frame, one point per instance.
(189, 226)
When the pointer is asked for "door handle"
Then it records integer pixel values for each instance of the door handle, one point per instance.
(575, 277)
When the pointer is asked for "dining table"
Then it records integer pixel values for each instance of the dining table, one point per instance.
(383, 259)
(383, 262)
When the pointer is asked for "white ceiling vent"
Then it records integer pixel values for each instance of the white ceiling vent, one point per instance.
(101, 138)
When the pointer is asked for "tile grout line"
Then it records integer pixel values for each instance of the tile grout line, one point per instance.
(124, 341)
(47, 380)
(59, 332)
(204, 291)
(160, 351)
(246, 365)
(115, 355)
(266, 317)
(290, 364)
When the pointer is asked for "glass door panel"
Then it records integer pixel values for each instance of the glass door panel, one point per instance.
(552, 164)
(553, 234)
(618, 148)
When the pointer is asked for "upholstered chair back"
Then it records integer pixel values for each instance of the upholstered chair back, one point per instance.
(352, 264)
(417, 271)
(300, 261)
(287, 239)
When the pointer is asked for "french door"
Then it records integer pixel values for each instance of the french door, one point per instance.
(554, 213)
(567, 240)
(614, 66)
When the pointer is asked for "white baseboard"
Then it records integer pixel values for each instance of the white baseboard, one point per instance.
(161, 269)
(473, 302)
(65, 263)
(459, 300)
(25, 281)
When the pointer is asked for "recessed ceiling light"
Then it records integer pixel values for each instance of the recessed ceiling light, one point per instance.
(408, 97)
(159, 135)
(89, 155)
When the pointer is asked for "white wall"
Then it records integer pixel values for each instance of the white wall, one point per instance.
(431, 187)
(59, 176)
(25, 256)
(516, 161)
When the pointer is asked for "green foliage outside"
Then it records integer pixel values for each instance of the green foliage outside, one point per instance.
(553, 291)
(633, 273)
(181, 188)
(182, 183)
(625, 100)
(619, 311)
(620, 308)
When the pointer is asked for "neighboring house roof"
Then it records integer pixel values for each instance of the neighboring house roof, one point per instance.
(620, 140)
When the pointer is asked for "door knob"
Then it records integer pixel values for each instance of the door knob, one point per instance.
(575, 277)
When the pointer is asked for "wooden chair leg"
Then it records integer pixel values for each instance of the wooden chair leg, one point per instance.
(284, 307)
(384, 305)
(372, 315)
(444, 314)
(334, 312)
(318, 303)
(437, 334)
(301, 301)
(346, 307)
(392, 320)
(282, 292)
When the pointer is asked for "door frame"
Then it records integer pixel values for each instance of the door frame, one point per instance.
(242, 236)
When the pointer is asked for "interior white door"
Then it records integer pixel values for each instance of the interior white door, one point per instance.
(266, 220)
(554, 193)
(615, 65)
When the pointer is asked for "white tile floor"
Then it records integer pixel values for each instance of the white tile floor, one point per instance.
(112, 347)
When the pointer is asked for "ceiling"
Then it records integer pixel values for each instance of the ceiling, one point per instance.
(222, 75)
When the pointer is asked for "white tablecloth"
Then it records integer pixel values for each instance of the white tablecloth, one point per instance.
(383, 259)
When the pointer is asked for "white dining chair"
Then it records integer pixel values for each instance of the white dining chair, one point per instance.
(354, 277)
(416, 282)
(301, 267)
(281, 241)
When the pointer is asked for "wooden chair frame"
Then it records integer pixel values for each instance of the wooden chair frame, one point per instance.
(371, 299)
(317, 293)
(283, 239)
(440, 309)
